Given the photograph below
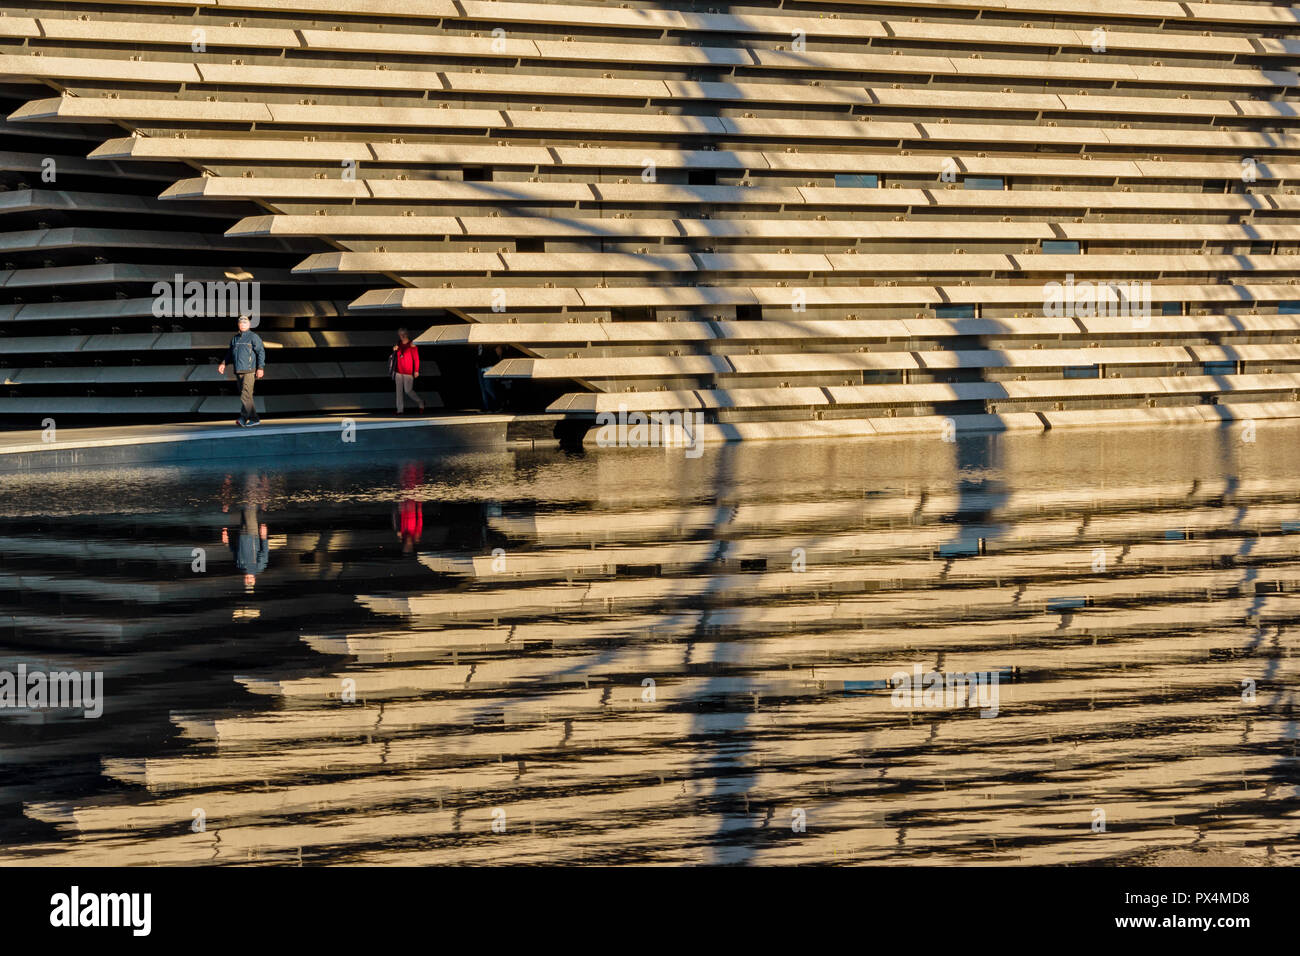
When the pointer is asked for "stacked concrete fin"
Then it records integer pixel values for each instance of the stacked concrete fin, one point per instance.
(832, 217)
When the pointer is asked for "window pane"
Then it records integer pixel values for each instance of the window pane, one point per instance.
(1060, 247)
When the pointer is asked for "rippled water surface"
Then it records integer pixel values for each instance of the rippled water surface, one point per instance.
(636, 657)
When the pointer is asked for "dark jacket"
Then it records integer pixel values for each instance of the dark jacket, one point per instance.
(251, 552)
(246, 352)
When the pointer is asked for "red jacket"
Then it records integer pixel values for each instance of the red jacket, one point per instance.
(410, 519)
(408, 359)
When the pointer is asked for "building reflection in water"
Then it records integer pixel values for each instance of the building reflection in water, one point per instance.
(626, 657)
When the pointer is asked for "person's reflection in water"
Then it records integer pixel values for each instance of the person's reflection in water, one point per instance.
(249, 546)
(408, 517)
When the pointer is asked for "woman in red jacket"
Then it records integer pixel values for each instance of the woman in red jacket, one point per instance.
(406, 369)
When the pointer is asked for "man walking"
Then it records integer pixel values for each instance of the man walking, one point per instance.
(247, 354)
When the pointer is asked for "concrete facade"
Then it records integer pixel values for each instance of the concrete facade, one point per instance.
(794, 221)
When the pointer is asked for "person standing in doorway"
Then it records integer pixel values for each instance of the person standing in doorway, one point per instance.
(489, 388)
(248, 356)
(405, 363)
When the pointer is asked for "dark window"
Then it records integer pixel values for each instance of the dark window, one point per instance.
(702, 177)
(1220, 368)
(477, 174)
(1081, 371)
(983, 182)
(1288, 308)
(1060, 247)
(955, 311)
(1171, 308)
(530, 245)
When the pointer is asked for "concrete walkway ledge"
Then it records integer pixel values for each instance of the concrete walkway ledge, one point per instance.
(276, 438)
(206, 442)
(963, 426)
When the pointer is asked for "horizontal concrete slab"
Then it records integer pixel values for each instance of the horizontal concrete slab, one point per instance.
(339, 436)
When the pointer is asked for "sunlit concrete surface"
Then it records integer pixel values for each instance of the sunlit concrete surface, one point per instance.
(273, 439)
(625, 656)
(793, 220)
